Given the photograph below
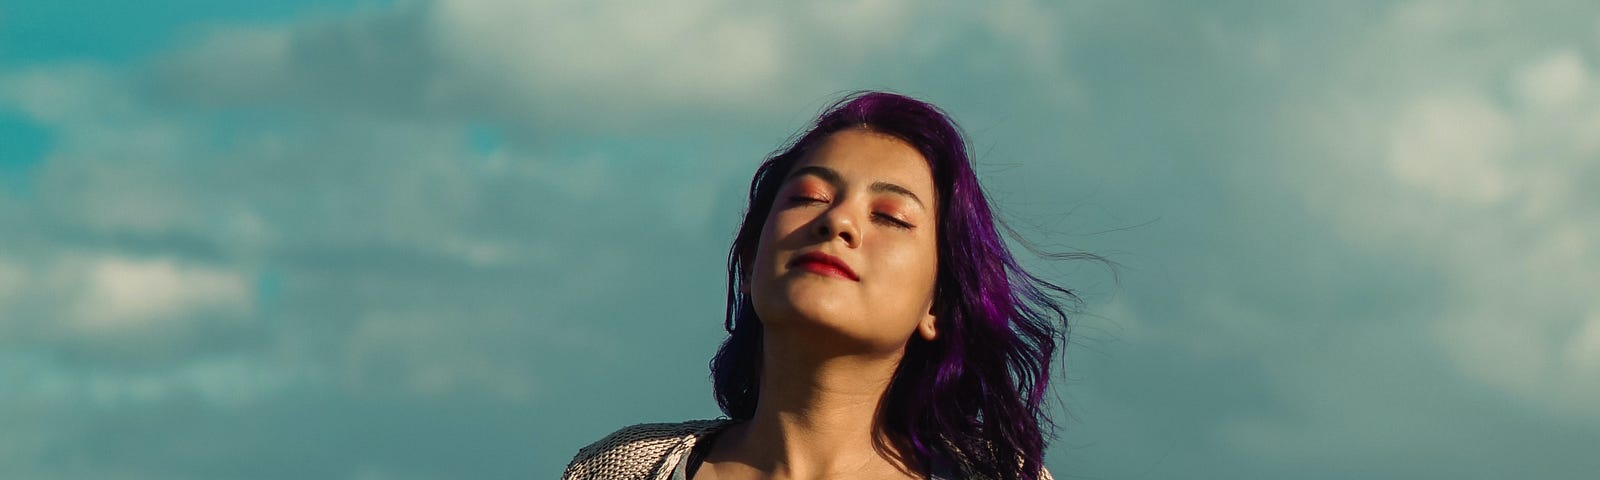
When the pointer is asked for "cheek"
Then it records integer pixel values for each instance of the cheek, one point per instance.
(779, 225)
(915, 266)
(784, 224)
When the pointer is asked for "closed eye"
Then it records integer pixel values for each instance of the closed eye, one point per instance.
(882, 218)
(891, 221)
(806, 200)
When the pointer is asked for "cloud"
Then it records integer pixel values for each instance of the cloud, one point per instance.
(122, 310)
(123, 293)
(1489, 192)
(709, 53)
(1449, 144)
(1363, 228)
(543, 66)
(1557, 79)
(1368, 233)
(259, 226)
(562, 67)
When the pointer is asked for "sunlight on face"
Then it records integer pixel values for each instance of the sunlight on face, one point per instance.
(867, 199)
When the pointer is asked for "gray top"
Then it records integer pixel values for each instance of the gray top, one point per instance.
(937, 473)
(938, 469)
(661, 451)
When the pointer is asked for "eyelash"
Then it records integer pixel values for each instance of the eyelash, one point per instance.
(881, 217)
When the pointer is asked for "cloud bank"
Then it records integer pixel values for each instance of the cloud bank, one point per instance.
(446, 239)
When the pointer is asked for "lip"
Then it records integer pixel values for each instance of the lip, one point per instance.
(824, 264)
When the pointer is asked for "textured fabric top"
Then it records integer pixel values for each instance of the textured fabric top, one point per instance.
(653, 451)
(647, 451)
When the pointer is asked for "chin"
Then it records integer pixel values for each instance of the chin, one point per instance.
(828, 323)
(804, 303)
(803, 310)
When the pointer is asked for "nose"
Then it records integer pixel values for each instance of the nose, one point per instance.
(836, 223)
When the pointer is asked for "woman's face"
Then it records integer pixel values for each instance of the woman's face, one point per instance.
(866, 199)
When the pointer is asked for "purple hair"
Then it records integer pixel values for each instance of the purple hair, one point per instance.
(974, 394)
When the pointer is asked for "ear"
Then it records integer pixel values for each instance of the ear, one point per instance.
(928, 326)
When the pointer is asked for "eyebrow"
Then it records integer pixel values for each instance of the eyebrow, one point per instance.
(832, 177)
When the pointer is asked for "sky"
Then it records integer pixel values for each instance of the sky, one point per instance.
(461, 239)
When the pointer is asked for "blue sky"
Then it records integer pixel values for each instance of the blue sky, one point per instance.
(452, 239)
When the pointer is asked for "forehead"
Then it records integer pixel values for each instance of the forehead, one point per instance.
(861, 155)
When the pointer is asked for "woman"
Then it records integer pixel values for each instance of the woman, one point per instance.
(879, 328)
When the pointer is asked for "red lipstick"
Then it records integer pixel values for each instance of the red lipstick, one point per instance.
(824, 264)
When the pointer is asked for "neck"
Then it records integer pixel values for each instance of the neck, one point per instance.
(818, 414)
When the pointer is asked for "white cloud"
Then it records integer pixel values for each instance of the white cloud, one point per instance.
(707, 52)
(64, 93)
(1451, 144)
(122, 293)
(1038, 31)
(599, 66)
(225, 381)
(1583, 350)
(82, 298)
(12, 280)
(1555, 80)
(548, 64)
(1427, 21)
(385, 354)
(1490, 194)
